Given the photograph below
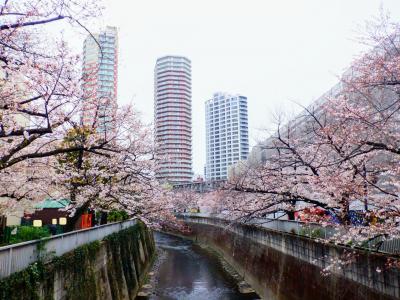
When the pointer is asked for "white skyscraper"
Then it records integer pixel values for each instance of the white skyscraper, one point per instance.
(100, 70)
(226, 133)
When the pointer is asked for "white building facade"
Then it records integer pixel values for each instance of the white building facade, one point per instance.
(100, 73)
(227, 136)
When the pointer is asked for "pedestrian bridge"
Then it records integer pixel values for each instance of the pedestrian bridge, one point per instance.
(200, 187)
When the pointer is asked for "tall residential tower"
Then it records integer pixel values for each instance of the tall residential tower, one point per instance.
(227, 137)
(173, 119)
(100, 73)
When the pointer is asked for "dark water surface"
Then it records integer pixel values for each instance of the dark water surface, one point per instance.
(186, 271)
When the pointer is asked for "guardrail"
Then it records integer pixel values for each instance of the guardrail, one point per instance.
(362, 270)
(312, 230)
(14, 258)
(315, 230)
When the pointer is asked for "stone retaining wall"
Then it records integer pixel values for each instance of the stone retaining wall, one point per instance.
(286, 267)
(113, 268)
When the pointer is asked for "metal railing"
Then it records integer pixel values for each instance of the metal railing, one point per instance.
(14, 258)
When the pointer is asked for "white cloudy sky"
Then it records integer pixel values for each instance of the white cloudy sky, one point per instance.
(274, 52)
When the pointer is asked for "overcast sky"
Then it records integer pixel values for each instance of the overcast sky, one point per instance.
(274, 52)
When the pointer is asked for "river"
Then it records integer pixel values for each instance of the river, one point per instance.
(185, 271)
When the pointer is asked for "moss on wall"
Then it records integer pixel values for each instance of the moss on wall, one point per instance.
(24, 284)
(277, 274)
(112, 268)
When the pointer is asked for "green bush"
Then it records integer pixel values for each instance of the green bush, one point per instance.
(313, 233)
(117, 215)
(29, 233)
(318, 233)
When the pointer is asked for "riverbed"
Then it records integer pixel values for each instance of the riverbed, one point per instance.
(185, 270)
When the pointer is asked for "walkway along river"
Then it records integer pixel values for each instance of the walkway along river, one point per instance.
(185, 271)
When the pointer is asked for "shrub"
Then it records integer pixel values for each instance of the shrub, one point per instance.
(28, 233)
(313, 233)
(117, 215)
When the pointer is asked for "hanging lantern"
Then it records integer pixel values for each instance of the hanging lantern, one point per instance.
(37, 223)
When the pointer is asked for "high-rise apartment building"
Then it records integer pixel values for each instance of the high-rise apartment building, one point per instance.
(227, 137)
(100, 73)
(173, 119)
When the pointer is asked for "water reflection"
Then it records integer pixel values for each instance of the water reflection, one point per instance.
(187, 271)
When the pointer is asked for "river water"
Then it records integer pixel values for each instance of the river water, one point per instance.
(185, 271)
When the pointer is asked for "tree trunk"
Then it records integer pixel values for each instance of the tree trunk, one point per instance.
(290, 215)
(345, 214)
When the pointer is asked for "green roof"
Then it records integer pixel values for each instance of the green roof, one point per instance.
(52, 203)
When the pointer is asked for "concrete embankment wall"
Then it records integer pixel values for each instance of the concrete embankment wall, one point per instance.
(113, 268)
(286, 266)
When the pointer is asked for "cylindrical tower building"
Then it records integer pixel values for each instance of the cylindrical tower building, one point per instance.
(173, 119)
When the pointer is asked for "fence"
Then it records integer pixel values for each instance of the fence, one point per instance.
(17, 257)
(362, 270)
(313, 230)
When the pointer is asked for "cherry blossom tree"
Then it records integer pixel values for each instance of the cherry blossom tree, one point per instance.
(120, 174)
(39, 89)
(45, 151)
(338, 153)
